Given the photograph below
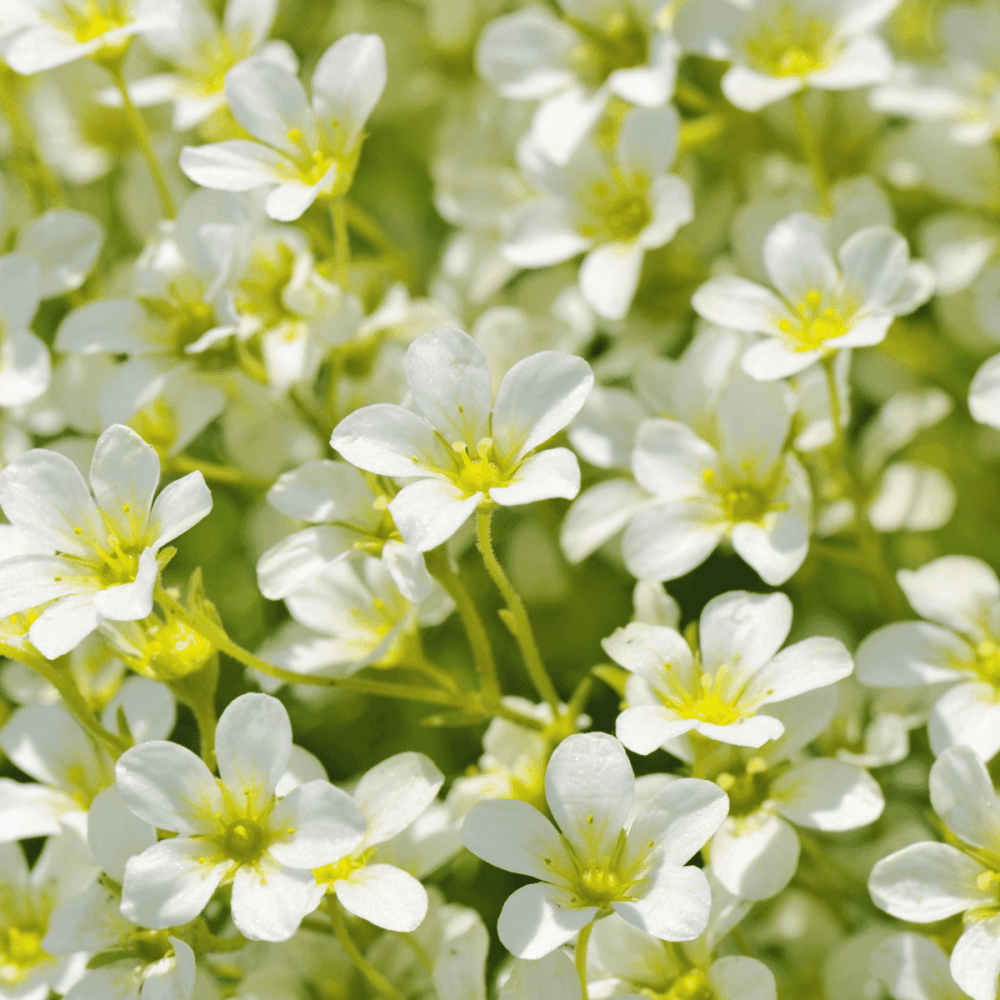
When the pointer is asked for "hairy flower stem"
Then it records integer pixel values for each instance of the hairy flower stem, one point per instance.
(580, 957)
(811, 153)
(439, 566)
(141, 135)
(62, 680)
(377, 980)
(517, 619)
(870, 550)
(341, 241)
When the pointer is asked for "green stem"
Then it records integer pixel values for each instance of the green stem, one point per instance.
(39, 179)
(580, 957)
(220, 639)
(63, 682)
(204, 715)
(519, 621)
(419, 664)
(141, 135)
(215, 472)
(871, 554)
(341, 241)
(377, 980)
(810, 151)
(439, 566)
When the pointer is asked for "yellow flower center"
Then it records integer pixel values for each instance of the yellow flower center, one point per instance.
(261, 288)
(791, 43)
(987, 662)
(310, 166)
(619, 43)
(343, 868)
(815, 322)
(743, 499)
(693, 985)
(20, 952)
(480, 473)
(628, 217)
(244, 840)
(90, 19)
(747, 791)
(617, 209)
(184, 313)
(206, 73)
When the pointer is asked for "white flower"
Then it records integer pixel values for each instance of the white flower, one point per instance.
(777, 47)
(613, 207)
(25, 367)
(106, 543)
(822, 305)
(464, 448)
(552, 977)
(576, 63)
(913, 967)
(738, 671)
(390, 797)
(351, 615)
(203, 51)
(62, 871)
(135, 963)
(233, 829)
(775, 789)
(304, 151)
(929, 881)
(49, 745)
(689, 495)
(345, 514)
(959, 646)
(594, 865)
(62, 31)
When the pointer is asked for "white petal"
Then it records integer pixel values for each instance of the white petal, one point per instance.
(30, 810)
(598, 514)
(390, 441)
(752, 91)
(647, 142)
(65, 244)
(752, 732)
(738, 977)
(285, 567)
(755, 857)
(124, 474)
(170, 883)
(526, 55)
(670, 459)
(813, 663)
(118, 326)
(776, 549)
(589, 787)
(115, 833)
(962, 795)
(914, 967)
(321, 491)
(326, 825)
(253, 742)
(130, 601)
(828, 795)
(409, 573)
(864, 61)
(975, 959)
(167, 785)
(515, 836)
(670, 540)
(552, 977)
(269, 901)
(25, 368)
(20, 289)
(645, 728)
(956, 591)
(536, 399)
(27, 581)
(250, 19)
(429, 511)
(672, 205)
(385, 896)
(180, 505)
(561, 121)
(739, 304)
(173, 977)
(609, 276)
(535, 920)
(968, 714)
(648, 650)
(542, 233)
(772, 358)
(984, 393)
(744, 630)
(797, 257)
(551, 473)
(233, 165)
(394, 793)
(926, 882)
(64, 625)
(269, 102)
(873, 262)
(906, 654)
(286, 203)
(674, 908)
(347, 84)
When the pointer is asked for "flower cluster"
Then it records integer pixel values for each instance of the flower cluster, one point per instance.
(370, 372)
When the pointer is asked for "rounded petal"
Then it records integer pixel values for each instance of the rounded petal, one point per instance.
(25, 368)
(541, 233)
(752, 91)
(390, 441)
(984, 393)
(955, 591)
(772, 358)
(170, 883)
(873, 262)
(775, 549)
(321, 491)
(743, 630)
(253, 742)
(515, 836)
(429, 511)
(813, 663)
(130, 601)
(975, 959)
(347, 84)
(269, 901)
(526, 55)
(589, 787)
(66, 244)
(325, 824)
(739, 304)
(554, 472)
(674, 908)
(270, 103)
(669, 540)
(609, 276)
(535, 920)
(738, 977)
(828, 795)
(967, 714)
(394, 793)
(647, 650)
(62, 626)
(233, 165)
(115, 833)
(385, 896)
(755, 857)
(906, 654)
(598, 514)
(798, 258)
(295, 560)
(669, 459)
(962, 795)
(926, 882)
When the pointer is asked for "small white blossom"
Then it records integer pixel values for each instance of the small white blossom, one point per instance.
(303, 151)
(234, 829)
(595, 865)
(105, 543)
(913, 967)
(465, 448)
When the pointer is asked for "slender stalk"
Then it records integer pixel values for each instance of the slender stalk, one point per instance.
(440, 568)
(204, 715)
(520, 623)
(871, 554)
(215, 472)
(810, 151)
(141, 135)
(341, 241)
(519, 718)
(374, 977)
(419, 664)
(220, 639)
(580, 957)
(71, 695)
